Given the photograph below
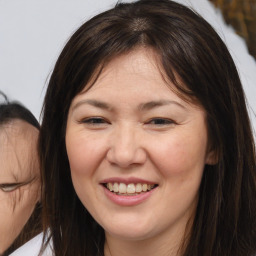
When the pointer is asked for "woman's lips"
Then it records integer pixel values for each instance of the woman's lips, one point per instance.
(128, 193)
(128, 189)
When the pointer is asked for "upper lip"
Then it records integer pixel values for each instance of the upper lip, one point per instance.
(127, 181)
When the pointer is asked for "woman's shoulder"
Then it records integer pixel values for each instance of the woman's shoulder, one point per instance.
(32, 248)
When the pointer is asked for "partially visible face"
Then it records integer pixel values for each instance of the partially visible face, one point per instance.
(19, 178)
(136, 150)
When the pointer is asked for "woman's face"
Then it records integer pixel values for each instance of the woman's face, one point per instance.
(19, 178)
(136, 150)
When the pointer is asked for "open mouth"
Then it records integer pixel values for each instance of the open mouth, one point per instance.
(131, 189)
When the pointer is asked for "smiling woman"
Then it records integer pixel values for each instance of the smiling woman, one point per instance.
(146, 146)
(19, 177)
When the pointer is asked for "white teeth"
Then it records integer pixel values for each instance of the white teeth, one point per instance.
(110, 186)
(122, 188)
(138, 188)
(130, 189)
(115, 187)
(144, 187)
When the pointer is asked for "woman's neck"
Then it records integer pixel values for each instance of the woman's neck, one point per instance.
(135, 249)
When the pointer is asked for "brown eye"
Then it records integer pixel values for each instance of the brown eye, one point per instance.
(94, 121)
(161, 121)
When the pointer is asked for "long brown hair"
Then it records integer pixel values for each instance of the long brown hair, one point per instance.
(188, 48)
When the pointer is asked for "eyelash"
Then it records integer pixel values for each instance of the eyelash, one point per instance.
(94, 121)
(97, 121)
(160, 121)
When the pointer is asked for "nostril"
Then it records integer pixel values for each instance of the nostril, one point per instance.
(125, 157)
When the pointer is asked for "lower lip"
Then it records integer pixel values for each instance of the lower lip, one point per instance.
(128, 200)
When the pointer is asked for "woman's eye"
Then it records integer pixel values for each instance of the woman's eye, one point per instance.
(9, 187)
(94, 121)
(160, 121)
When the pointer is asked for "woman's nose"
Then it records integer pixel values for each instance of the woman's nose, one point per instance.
(126, 148)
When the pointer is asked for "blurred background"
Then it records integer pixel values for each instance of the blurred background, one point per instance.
(241, 14)
(32, 34)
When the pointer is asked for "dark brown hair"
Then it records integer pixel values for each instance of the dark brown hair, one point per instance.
(188, 49)
(10, 111)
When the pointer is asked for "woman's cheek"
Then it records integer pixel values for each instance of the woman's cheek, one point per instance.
(177, 157)
(84, 155)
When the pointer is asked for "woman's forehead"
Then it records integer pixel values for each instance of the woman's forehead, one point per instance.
(142, 61)
(18, 149)
(18, 128)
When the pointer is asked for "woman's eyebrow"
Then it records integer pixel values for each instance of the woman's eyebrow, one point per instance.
(153, 104)
(94, 103)
(142, 107)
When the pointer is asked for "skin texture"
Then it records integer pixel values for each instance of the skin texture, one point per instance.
(19, 178)
(138, 128)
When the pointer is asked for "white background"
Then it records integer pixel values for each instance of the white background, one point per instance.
(33, 32)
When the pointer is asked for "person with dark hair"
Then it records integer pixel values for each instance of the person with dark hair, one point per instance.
(20, 210)
(146, 146)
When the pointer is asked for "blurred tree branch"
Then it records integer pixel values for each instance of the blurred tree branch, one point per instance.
(241, 14)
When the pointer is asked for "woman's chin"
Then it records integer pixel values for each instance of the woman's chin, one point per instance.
(131, 233)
